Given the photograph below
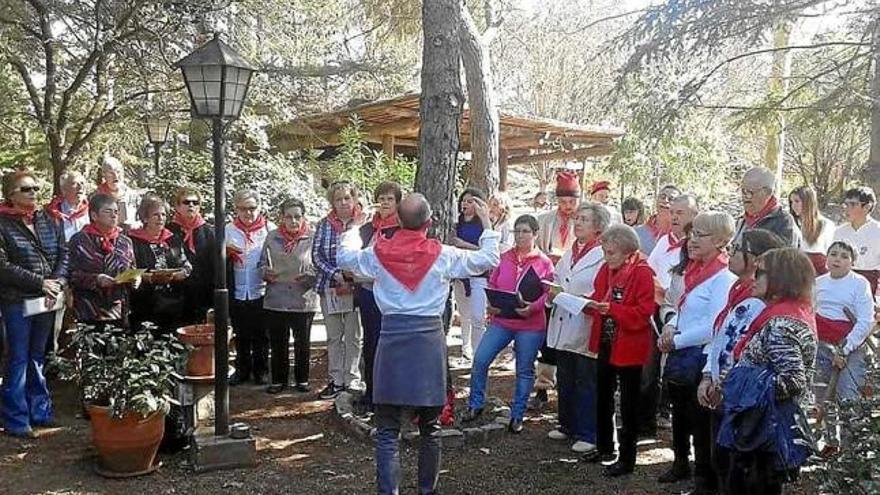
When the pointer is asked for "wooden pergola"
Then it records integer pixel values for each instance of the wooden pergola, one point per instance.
(394, 124)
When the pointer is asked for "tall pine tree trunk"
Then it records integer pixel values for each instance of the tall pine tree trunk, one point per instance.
(440, 110)
(779, 74)
(872, 171)
(483, 113)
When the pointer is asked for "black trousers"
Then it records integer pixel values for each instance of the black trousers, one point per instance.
(371, 321)
(650, 392)
(753, 473)
(281, 325)
(720, 455)
(547, 355)
(629, 379)
(251, 342)
(690, 419)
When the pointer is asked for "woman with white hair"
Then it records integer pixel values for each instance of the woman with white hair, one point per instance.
(113, 184)
(500, 207)
(622, 307)
(692, 304)
(71, 207)
(569, 329)
(245, 237)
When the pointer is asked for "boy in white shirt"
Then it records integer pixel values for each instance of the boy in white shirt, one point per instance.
(863, 232)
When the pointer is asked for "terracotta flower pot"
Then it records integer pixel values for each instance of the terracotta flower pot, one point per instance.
(127, 446)
(201, 359)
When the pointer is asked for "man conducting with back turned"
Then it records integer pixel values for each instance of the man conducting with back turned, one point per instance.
(411, 276)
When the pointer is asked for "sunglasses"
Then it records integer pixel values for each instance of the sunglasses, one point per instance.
(191, 202)
(29, 189)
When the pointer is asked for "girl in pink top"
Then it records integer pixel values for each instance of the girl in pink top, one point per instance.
(527, 331)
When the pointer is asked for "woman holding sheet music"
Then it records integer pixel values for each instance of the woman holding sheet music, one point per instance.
(33, 272)
(525, 327)
(569, 330)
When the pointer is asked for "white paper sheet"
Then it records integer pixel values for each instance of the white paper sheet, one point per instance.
(571, 303)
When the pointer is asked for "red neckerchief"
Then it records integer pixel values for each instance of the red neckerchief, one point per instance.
(522, 260)
(577, 254)
(408, 255)
(563, 226)
(292, 237)
(380, 224)
(104, 188)
(144, 235)
(771, 205)
(54, 209)
(248, 230)
(798, 310)
(189, 226)
(739, 292)
(673, 242)
(698, 272)
(620, 276)
(26, 215)
(108, 238)
(656, 231)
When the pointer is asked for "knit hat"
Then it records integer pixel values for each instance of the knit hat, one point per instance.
(568, 184)
(600, 186)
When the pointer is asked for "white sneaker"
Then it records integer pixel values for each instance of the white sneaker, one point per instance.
(582, 447)
(557, 435)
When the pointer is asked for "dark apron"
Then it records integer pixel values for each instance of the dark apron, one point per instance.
(410, 366)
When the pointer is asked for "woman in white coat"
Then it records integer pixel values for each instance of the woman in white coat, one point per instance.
(569, 329)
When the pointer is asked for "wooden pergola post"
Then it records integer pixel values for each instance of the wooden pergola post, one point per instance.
(502, 169)
(388, 145)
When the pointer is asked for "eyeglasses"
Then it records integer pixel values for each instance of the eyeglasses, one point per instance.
(667, 196)
(29, 189)
(523, 232)
(247, 208)
(748, 193)
(852, 204)
(190, 202)
(108, 211)
(697, 235)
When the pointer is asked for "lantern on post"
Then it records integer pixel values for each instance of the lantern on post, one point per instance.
(157, 133)
(217, 80)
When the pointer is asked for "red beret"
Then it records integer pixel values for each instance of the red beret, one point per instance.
(568, 184)
(599, 186)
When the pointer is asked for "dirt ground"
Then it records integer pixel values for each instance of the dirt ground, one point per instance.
(302, 449)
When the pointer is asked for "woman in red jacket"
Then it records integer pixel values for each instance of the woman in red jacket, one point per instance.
(622, 305)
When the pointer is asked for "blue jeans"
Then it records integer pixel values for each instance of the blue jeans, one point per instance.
(388, 420)
(24, 399)
(577, 375)
(526, 344)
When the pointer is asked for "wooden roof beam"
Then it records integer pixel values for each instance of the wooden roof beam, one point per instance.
(577, 154)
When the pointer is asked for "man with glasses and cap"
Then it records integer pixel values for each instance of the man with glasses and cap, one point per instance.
(863, 232)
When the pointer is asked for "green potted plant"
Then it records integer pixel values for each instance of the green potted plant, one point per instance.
(126, 381)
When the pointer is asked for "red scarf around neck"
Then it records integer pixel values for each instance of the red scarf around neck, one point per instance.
(674, 243)
(26, 215)
(146, 236)
(189, 226)
(408, 255)
(739, 292)
(292, 237)
(698, 272)
(654, 226)
(107, 238)
(771, 205)
(620, 276)
(579, 252)
(798, 310)
(521, 260)
(563, 229)
(54, 209)
(248, 230)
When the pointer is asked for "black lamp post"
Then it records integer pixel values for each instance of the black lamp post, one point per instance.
(157, 132)
(217, 79)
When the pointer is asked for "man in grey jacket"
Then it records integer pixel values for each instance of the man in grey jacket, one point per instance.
(762, 208)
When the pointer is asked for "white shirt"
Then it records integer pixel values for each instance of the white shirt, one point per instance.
(249, 284)
(853, 292)
(72, 227)
(504, 228)
(867, 243)
(823, 242)
(662, 259)
(695, 319)
(429, 298)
